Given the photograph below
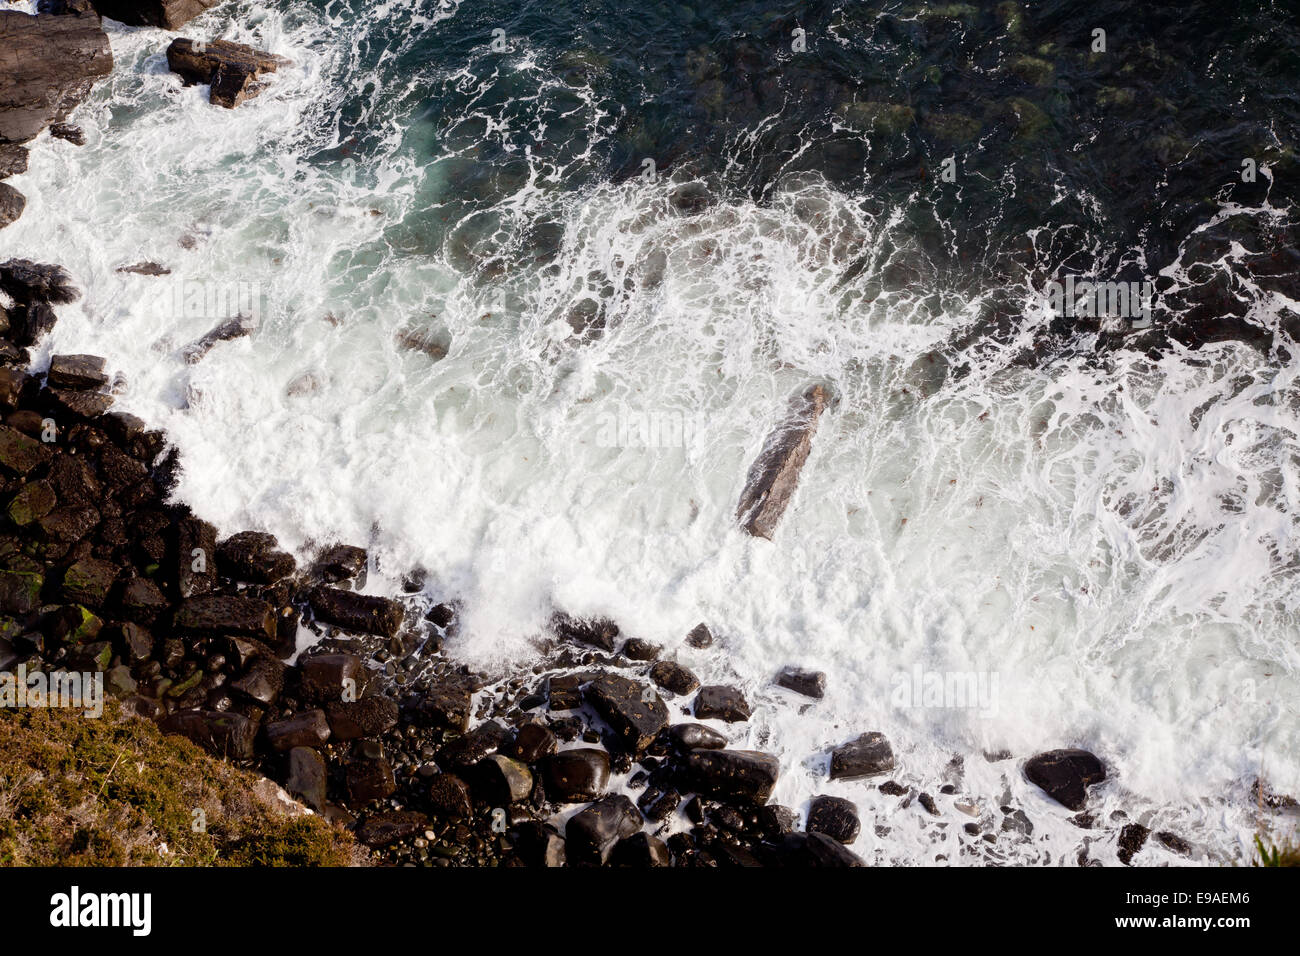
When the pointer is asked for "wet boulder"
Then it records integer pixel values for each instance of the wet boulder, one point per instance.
(389, 827)
(835, 817)
(1065, 775)
(720, 702)
(306, 777)
(632, 709)
(687, 737)
(739, 776)
(340, 562)
(28, 282)
(808, 683)
(196, 548)
(864, 756)
(503, 780)
(368, 779)
(673, 677)
(234, 71)
(591, 833)
(446, 704)
(774, 475)
(368, 717)
(323, 678)
(12, 204)
(600, 633)
(574, 776)
(222, 734)
(77, 371)
(814, 850)
(236, 327)
(254, 556)
(227, 614)
(307, 729)
(359, 613)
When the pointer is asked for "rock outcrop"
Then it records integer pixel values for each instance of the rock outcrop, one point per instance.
(167, 14)
(47, 66)
(233, 70)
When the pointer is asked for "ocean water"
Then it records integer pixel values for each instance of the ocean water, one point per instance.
(624, 235)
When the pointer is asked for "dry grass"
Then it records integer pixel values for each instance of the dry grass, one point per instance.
(114, 791)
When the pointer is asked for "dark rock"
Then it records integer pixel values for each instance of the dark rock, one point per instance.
(446, 704)
(254, 556)
(389, 827)
(19, 453)
(29, 283)
(534, 742)
(564, 691)
(89, 582)
(79, 404)
(340, 562)
(774, 475)
(540, 844)
(359, 613)
(222, 734)
(143, 602)
(1131, 840)
(835, 817)
(13, 382)
(20, 592)
(221, 614)
(77, 371)
(153, 269)
(721, 702)
(324, 678)
(13, 160)
(1174, 842)
(591, 833)
(369, 779)
(449, 797)
(700, 636)
(776, 821)
(232, 69)
(32, 503)
(74, 482)
(814, 849)
(574, 776)
(29, 323)
(658, 805)
(863, 756)
(468, 749)
(1065, 775)
(196, 549)
(306, 777)
(744, 776)
(687, 737)
(47, 66)
(229, 329)
(641, 850)
(367, 717)
(600, 633)
(673, 677)
(307, 729)
(262, 683)
(69, 524)
(167, 14)
(69, 133)
(809, 683)
(503, 779)
(636, 649)
(632, 709)
(12, 204)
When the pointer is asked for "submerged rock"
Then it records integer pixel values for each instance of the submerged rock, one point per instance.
(232, 328)
(774, 475)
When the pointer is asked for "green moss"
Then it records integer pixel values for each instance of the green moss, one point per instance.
(114, 791)
(1115, 96)
(32, 503)
(1029, 120)
(1286, 855)
(1011, 16)
(953, 127)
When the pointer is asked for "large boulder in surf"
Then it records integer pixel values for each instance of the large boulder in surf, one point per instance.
(232, 69)
(774, 475)
(47, 66)
(1065, 775)
(167, 14)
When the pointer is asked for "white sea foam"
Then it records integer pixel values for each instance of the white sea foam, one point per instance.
(1112, 540)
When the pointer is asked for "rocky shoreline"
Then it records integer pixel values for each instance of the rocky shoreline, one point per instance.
(374, 726)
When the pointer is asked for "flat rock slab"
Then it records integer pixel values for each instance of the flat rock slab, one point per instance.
(774, 475)
(1065, 775)
(232, 69)
(77, 371)
(47, 66)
